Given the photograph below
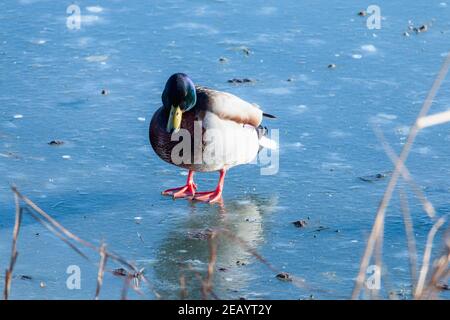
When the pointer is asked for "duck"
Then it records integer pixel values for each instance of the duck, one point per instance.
(204, 130)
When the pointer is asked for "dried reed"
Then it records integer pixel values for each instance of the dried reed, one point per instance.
(70, 239)
(421, 121)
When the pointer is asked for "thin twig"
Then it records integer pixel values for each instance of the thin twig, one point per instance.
(426, 257)
(65, 235)
(183, 290)
(441, 271)
(378, 259)
(14, 253)
(126, 285)
(409, 231)
(101, 270)
(440, 275)
(207, 284)
(200, 279)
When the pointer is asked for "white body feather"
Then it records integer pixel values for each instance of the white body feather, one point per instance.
(228, 143)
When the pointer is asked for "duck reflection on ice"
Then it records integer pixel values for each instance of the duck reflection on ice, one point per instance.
(185, 253)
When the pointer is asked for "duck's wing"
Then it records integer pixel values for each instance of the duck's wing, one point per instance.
(228, 106)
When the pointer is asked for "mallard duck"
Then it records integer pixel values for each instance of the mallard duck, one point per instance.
(204, 130)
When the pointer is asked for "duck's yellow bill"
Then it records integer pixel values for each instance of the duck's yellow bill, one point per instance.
(175, 117)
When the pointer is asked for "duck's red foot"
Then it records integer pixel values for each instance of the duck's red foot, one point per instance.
(209, 196)
(183, 192)
(212, 196)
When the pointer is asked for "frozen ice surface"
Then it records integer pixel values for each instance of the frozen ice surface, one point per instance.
(104, 181)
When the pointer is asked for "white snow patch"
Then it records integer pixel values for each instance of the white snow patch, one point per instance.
(94, 9)
(387, 116)
(422, 150)
(277, 91)
(98, 58)
(383, 118)
(300, 108)
(83, 42)
(295, 145)
(267, 10)
(369, 48)
(315, 42)
(90, 19)
(193, 27)
(338, 134)
(39, 41)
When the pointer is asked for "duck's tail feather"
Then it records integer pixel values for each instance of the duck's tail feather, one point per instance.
(268, 115)
(265, 142)
(268, 143)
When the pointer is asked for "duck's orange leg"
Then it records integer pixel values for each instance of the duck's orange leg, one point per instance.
(212, 196)
(185, 191)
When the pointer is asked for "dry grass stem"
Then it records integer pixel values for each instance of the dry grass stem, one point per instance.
(183, 290)
(14, 253)
(381, 211)
(433, 120)
(68, 237)
(410, 239)
(208, 283)
(426, 258)
(440, 274)
(101, 270)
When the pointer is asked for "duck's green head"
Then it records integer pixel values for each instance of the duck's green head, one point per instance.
(178, 96)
